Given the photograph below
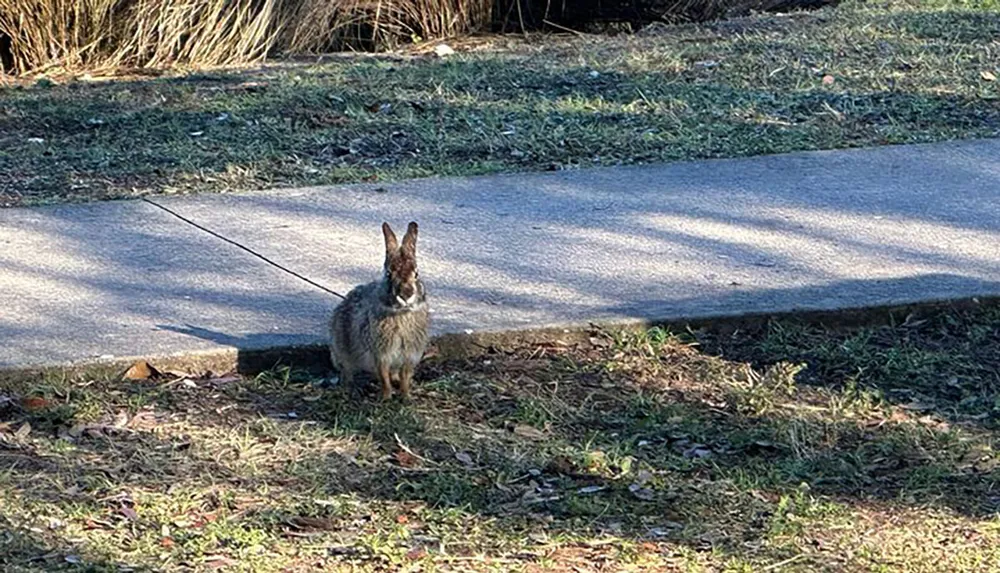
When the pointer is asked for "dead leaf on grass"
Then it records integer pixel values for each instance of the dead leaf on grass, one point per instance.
(530, 432)
(23, 431)
(217, 561)
(121, 419)
(129, 513)
(464, 458)
(311, 523)
(642, 493)
(406, 459)
(415, 554)
(34, 403)
(141, 370)
(988, 76)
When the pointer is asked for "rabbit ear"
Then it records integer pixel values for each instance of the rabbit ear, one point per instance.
(391, 244)
(410, 238)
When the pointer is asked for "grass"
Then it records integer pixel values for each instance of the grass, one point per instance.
(795, 448)
(862, 74)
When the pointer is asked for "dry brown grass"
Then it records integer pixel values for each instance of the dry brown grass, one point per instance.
(113, 34)
(110, 34)
(101, 35)
(322, 25)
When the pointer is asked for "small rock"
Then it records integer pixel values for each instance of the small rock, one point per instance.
(594, 74)
(643, 493)
(443, 50)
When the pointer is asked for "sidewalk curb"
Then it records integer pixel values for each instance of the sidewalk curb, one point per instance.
(314, 358)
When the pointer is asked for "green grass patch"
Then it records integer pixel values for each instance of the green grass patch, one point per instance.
(795, 447)
(861, 74)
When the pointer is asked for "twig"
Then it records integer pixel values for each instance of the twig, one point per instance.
(564, 28)
(406, 449)
(788, 561)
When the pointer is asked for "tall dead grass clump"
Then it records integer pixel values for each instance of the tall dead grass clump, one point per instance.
(323, 25)
(107, 34)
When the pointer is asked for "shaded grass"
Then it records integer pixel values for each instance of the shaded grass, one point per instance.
(786, 447)
(901, 73)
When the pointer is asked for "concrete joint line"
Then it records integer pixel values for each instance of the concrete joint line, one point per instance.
(239, 246)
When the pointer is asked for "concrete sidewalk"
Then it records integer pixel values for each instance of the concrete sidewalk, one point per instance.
(821, 231)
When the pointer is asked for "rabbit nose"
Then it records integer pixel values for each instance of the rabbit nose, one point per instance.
(406, 292)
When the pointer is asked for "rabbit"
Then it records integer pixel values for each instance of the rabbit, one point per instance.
(382, 327)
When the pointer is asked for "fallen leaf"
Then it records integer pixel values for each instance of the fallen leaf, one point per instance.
(599, 342)
(539, 538)
(23, 431)
(591, 489)
(659, 532)
(406, 459)
(97, 524)
(643, 477)
(764, 445)
(74, 559)
(530, 432)
(141, 370)
(402, 519)
(166, 542)
(988, 76)
(828, 80)
(252, 86)
(216, 561)
(303, 522)
(697, 451)
(129, 513)
(144, 419)
(643, 493)
(561, 465)
(464, 458)
(121, 420)
(415, 554)
(34, 403)
(77, 430)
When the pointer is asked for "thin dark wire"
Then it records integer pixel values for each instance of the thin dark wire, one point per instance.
(235, 244)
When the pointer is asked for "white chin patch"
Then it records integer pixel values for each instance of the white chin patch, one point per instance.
(400, 300)
(406, 302)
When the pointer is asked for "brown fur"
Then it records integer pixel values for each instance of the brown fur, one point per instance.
(373, 331)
